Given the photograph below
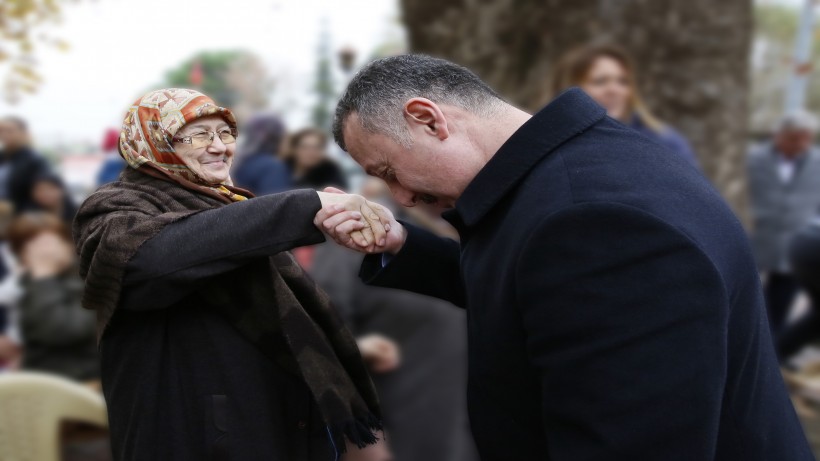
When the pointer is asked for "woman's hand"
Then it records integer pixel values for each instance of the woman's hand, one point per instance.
(342, 224)
(380, 353)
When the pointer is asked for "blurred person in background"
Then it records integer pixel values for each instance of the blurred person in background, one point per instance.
(50, 194)
(20, 165)
(113, 164)
(423, 401)
(309, 162)
(258, 168)
(607, 73)
(804, 261)
(215, 344)
(58, 334)
(10, 350)
(10, 294)
(784, 186)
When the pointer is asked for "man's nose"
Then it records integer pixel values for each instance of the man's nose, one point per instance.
(403, 196)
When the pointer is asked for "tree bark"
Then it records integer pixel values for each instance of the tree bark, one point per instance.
(692, 59)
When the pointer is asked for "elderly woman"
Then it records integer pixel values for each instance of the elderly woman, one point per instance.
(214, 343)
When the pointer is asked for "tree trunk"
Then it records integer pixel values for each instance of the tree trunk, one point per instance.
(692, 58)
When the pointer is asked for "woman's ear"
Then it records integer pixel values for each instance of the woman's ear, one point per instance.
(427, 115)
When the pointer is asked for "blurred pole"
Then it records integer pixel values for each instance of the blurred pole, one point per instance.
(325, 93)
(347, 61)
(801, 64)
(347, 64)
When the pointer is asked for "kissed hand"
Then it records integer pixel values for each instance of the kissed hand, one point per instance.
(358, 224)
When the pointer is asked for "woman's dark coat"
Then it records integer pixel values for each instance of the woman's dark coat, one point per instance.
(170, 360)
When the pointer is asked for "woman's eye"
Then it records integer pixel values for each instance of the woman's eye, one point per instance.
(202, 135)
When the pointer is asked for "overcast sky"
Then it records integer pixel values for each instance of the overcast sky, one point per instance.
(119, 48)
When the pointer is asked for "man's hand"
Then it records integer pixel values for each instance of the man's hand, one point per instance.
(342, 223)
(380, 353)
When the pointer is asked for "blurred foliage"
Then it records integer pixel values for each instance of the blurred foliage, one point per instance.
(776, 22)
(234, 78)
(20, 36)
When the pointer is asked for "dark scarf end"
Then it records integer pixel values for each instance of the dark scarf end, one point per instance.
(360, 432)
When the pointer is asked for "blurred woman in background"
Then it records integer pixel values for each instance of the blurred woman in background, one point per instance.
(10, 294)
(113, 164)
(607, 74)
(258, 167)
(309, 162)
(58, 334)
(50, 194)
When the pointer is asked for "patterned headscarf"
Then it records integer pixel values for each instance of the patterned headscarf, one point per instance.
(151, 124)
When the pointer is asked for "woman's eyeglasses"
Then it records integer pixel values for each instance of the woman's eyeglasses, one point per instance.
(205, 138)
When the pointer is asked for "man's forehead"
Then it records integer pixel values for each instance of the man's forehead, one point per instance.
(361, 144)
(352, 130)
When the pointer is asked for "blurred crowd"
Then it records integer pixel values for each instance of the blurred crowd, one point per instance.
(415, 345)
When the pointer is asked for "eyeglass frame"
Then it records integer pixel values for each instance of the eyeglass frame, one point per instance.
(190, 140)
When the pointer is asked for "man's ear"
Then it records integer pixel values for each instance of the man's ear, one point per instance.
(425, 114)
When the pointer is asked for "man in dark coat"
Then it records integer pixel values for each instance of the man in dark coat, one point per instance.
(20, 166)
(614, 308)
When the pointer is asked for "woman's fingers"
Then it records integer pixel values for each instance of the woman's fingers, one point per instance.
(345, 227)
(335, 220)
(354, 230)
(333, 190)
(369, 237)
(360, 238)
(376, 225)
(385, 216)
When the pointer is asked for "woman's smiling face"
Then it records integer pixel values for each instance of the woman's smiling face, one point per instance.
(213, 162)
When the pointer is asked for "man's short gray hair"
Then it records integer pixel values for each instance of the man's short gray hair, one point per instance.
(378, 92)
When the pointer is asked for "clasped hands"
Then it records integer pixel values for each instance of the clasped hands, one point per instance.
(357, 223)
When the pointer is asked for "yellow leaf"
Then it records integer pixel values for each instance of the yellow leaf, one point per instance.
(62, 45)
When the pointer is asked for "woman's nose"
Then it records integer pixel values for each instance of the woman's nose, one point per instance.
(217, 146)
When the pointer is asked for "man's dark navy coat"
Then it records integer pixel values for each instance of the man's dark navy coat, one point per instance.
(615, 312)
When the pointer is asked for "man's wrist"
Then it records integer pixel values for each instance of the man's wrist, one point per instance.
(395, 249)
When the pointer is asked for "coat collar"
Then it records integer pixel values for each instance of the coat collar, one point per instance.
(568, 115)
